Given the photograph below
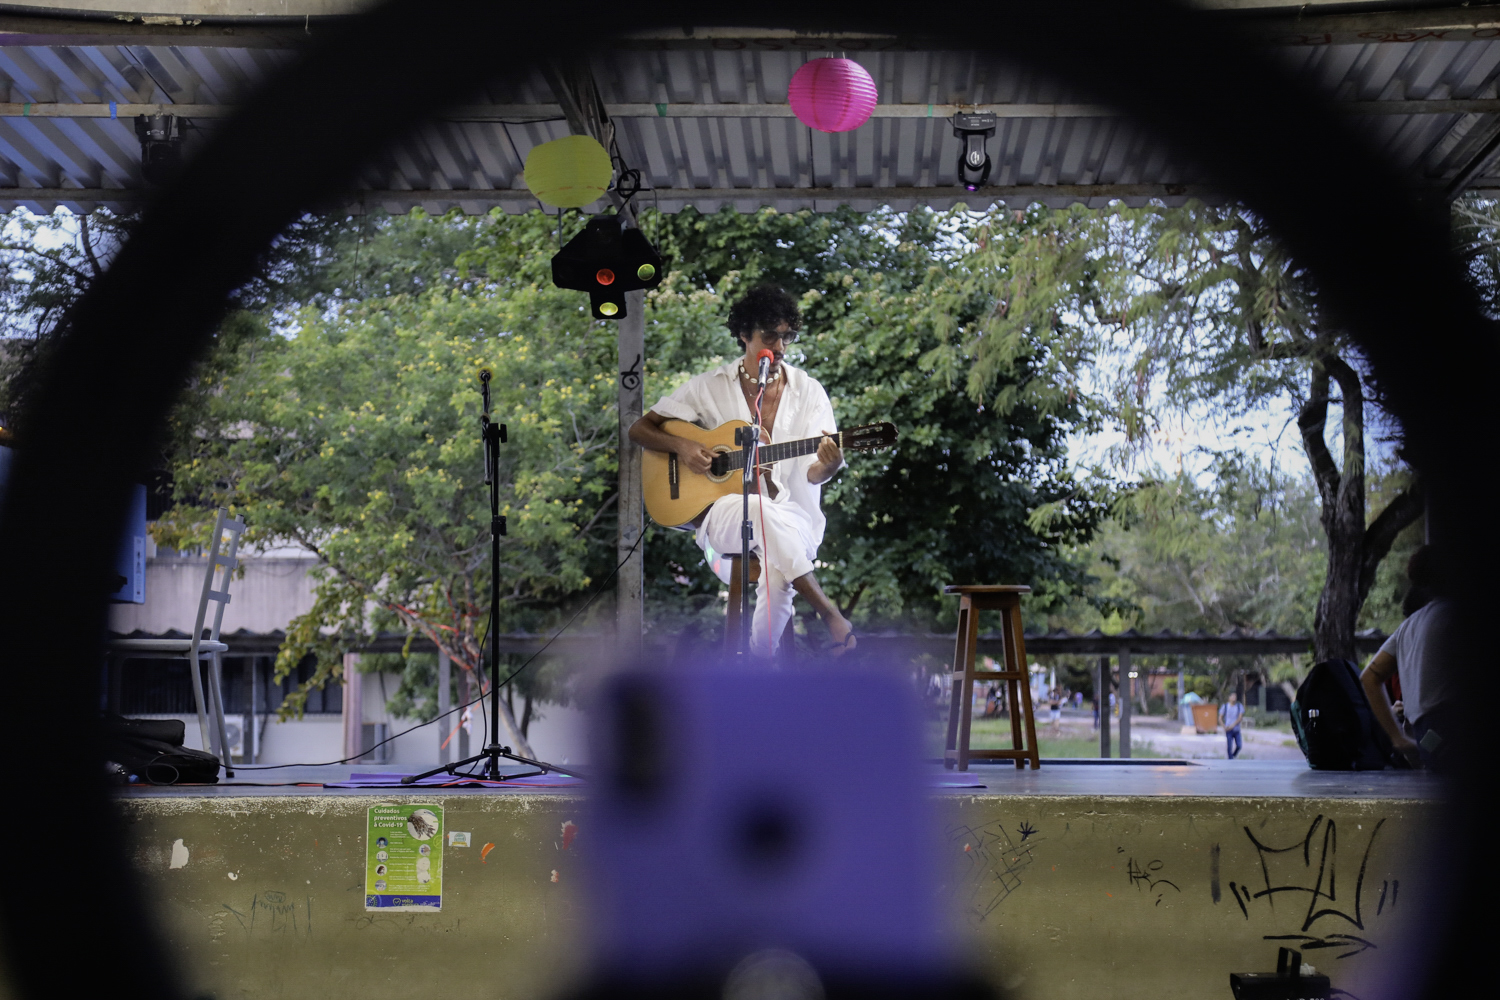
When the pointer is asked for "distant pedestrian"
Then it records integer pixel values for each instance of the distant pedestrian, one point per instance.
(1055, 707)
(1230, 715)
(1078, 699)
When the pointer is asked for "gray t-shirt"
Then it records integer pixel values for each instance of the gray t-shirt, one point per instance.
(1417, 646)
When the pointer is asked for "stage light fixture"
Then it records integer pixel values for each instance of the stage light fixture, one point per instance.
(607, 260)
(973, 159)
(161, 146)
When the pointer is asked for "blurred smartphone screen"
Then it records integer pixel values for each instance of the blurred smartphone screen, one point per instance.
(742, 811)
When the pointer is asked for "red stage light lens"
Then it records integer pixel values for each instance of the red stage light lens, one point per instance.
(605, 276)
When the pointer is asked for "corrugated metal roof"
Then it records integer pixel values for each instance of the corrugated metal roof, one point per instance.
(1056, 156)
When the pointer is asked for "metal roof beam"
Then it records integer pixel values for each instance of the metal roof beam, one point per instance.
(1290, 24)
(677, 196)
(545, 112)
(29, 29)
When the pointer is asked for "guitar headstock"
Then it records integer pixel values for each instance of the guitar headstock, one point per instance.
(881, 435)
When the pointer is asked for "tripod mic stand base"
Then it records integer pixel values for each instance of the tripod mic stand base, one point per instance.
(491, 756)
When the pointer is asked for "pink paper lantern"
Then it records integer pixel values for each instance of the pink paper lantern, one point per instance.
(832, 95)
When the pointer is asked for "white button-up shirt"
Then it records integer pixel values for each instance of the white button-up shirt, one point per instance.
(715, 397)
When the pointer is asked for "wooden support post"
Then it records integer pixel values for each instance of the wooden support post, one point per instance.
(1127, 699)
(445, 704)
(630, 581)
(467, 687)
(1181, 681)
(252, 747)
(1101, 694)
(354, 707)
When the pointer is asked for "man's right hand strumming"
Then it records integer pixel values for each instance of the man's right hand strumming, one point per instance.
(692, 454)
(647, 433)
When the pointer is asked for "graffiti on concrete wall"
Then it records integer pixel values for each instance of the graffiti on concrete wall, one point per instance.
(1312, 886)
(988, 862)
(271, 912)
(1149, 878)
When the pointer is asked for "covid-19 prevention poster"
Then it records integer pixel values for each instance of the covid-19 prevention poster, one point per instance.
(404, 857)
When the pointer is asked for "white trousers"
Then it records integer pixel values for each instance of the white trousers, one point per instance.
(786, 549)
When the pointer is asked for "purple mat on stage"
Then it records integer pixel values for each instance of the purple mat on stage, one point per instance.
(387, 779)
(384, 779)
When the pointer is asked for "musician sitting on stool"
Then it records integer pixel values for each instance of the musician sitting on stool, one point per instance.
(795, 406)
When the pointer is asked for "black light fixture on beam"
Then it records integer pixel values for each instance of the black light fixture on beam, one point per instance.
(607, 260)
(973, 160)
(161, 146)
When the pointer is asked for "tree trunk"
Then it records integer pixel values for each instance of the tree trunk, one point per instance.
(509, 727)
(1354, 548)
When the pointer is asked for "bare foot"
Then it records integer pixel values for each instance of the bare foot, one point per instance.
(844, 639)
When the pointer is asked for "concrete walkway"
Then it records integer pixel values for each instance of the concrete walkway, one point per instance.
(1166, 736)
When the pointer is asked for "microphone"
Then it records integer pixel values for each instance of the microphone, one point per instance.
(765, 366)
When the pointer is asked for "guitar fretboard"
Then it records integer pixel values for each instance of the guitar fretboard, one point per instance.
(777, 452)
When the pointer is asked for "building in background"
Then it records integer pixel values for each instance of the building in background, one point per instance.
(276, 587)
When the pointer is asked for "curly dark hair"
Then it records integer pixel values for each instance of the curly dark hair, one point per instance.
(764, 307)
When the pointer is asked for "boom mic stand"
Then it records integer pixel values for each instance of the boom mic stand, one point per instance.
(493, 435)
(748, 438)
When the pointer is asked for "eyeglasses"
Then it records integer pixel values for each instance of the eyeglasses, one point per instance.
(772, 338)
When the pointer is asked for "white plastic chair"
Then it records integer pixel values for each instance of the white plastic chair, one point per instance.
(221, 557)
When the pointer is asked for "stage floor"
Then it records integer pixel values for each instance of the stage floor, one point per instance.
(1088, 777)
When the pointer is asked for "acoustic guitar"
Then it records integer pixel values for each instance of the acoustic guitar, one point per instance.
(675, 495)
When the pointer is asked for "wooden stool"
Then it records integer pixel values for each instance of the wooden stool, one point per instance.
(732, 619)
(1005, 598)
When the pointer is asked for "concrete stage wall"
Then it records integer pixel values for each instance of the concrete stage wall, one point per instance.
(1080, 895)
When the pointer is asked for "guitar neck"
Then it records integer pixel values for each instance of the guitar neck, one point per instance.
(779, 452)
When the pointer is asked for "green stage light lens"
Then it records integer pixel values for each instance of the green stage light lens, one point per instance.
(608, 308)
(646, 272)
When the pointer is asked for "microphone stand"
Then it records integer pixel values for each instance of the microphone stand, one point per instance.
(493, 435)
(748, 438)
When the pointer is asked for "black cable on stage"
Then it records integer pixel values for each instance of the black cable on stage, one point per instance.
(459, 708)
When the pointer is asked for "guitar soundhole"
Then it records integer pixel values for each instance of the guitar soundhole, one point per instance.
(719, 470)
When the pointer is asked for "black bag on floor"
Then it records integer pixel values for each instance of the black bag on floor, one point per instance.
(1334, 723)
(152, 750)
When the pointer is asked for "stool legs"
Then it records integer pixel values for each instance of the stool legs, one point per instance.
(1013, 673)
(1022, 712)
(961, 709)
(788, 643)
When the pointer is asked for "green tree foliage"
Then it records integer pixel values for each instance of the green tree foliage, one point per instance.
(952, 503)
(337, 410)
(1199, 308)
(356, 438)
(46, 264)
(1244, 551)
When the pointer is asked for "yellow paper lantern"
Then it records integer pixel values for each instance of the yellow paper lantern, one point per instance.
(569, 172)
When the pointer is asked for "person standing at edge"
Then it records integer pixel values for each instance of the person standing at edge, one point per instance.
(1230, 716)
(788, 496)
